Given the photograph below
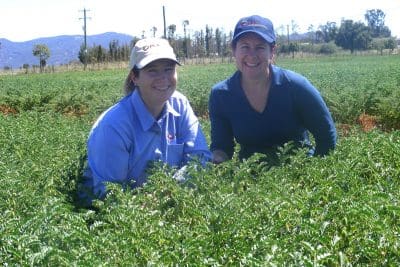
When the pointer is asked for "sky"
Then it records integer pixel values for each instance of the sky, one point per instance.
(23, 20)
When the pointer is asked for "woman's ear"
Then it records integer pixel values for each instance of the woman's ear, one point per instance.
(273, 50)
(129, 85)
(132, 76)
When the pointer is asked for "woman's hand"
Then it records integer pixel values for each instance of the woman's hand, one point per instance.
(219, 156)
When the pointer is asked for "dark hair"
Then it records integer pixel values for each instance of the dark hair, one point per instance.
(129, 85)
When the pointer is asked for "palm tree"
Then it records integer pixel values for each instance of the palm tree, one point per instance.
(154, 30)
(185, 23)
(171, 31)
(185, 41)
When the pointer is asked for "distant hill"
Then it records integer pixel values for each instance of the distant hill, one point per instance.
(63, 49)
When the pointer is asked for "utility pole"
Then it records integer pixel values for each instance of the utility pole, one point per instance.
(84, 36)
(165, 25)
(288, 38)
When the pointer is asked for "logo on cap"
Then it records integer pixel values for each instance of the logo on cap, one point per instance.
(147, 47)
(245, 23)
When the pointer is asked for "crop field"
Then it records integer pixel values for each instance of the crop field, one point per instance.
(340, 210)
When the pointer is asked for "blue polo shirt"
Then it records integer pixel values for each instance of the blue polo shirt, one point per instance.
(294, 108)
(126, 137)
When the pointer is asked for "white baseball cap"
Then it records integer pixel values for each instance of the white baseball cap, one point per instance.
(148, 50)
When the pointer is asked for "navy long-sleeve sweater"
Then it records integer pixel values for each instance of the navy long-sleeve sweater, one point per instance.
(294, 108)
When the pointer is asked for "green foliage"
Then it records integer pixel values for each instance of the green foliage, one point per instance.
(380, 44)
(289, 48)
(340, 210)
(352, 86)
(328, 48)
(323, 48)
(327, 33)
(41, 51)
(353, 36)
(389, 115)
(74, 93)
(196, 82)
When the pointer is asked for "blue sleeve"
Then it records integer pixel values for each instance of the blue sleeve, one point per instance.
(191, 135)
(221, 130)
(315, 116)
(108, 157)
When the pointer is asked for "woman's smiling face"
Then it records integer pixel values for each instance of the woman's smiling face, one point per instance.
(253, 55)
(157, 82)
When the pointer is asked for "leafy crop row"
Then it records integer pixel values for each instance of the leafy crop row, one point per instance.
(350, 86)
(339, 210)
(357, 85)
(74, 93)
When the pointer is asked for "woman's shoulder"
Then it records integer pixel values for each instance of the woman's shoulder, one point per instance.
(178, 96)
(178, 100)
(286, 76)
(179, 103)
(116, 112)
(227, 84)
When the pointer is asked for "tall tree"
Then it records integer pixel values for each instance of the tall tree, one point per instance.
(113, 50)
(353, 36)
(209, 34)
(199, 44)
(100, 54)
(43, 53)
(185, 23)
(328, 31)
(311, 33)
(154, 30)
(171, 37)
(376, 21)
(171, 31)
(294, 26)
(218, 41)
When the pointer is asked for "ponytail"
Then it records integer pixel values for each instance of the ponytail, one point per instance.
(129, 85)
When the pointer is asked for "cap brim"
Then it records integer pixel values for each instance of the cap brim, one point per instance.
(263, 36)
(147, 60)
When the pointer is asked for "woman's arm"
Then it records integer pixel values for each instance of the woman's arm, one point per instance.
(221, 131)
(107, 158)
(316, 117)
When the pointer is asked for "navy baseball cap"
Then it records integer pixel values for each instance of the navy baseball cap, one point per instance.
(255, 24)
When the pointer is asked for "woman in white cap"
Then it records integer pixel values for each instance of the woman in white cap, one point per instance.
(262, 106)
(153, 122)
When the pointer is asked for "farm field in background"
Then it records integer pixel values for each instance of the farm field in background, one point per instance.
(340, 210)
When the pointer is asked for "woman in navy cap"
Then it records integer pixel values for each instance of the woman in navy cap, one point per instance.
(262, 106)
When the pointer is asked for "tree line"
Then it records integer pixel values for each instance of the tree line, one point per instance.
(326, 39)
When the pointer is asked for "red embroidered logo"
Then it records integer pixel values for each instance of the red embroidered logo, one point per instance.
(170, 137)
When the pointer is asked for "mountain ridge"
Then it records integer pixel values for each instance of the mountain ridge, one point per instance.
(63, 48)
